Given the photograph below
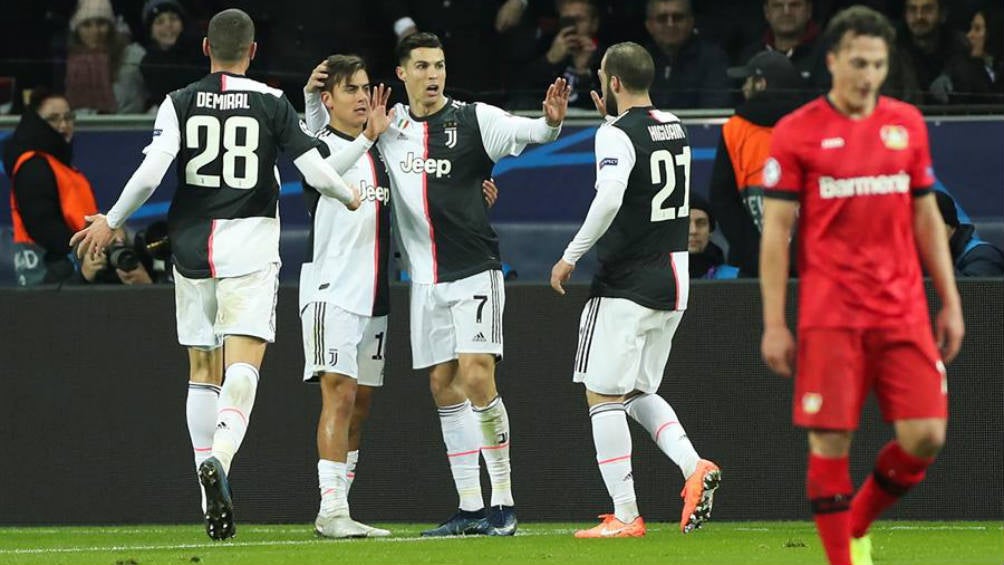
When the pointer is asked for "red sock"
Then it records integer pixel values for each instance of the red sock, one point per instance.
(828, 483)
(896, 472)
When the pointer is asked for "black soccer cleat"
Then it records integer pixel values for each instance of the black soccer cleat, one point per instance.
(219, 505)
(463, 523)
(501, 521)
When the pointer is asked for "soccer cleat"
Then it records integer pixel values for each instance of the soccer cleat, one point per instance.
(341, 527)
(462, 523)
(861, 550)
(219, 513)
(611, 527)
(501, 521)
(698, 495)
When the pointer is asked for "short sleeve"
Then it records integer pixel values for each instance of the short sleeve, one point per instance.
(294, 137)
(615, 156)
(921, 170)
(166, 131)
(783, 175)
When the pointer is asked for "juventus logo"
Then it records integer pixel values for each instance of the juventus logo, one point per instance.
(451, 136)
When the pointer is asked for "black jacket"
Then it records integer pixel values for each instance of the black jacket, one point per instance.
(701, 263)
(36, 192)
(694, 78)
(731, 213)
(983, 260)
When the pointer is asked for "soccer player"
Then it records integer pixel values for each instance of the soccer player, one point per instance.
(344, 295)
(438, 151)
(639, 221)
(857, 168)
(226, 131)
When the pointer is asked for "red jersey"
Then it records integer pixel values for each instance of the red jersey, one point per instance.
(855, 180)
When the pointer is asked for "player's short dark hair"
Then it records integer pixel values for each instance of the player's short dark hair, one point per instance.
(341, 68)
(858, 21)
(416, 41)
(230, 34)
(632, 64)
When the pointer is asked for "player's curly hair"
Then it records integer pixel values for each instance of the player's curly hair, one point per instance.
(341, 68)
(858, 20)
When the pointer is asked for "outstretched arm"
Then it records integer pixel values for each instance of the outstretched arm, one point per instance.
(322, 177)
(504, 134)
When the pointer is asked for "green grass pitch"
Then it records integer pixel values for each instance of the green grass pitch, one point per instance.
(776, 543)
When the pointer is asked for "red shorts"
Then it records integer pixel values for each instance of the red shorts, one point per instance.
(837, 368)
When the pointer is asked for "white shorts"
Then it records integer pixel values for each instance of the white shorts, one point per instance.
(210, 309)
(450, 318)
(623, 346)
(338, 341)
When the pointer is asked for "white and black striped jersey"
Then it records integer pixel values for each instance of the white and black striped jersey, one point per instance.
(436, 166)
(226, 131)
(643, 255)
(349, 249)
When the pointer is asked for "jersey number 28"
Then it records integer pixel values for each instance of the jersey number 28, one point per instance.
(663, 161)
(235, 146)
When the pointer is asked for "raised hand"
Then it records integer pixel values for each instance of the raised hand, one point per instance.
(599, 102)
(317, 78)
(379, 118)
(556, 102)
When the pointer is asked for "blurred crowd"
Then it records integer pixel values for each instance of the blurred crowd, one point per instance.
(123, 56)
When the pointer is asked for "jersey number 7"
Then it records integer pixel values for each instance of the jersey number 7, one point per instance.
(665, 162)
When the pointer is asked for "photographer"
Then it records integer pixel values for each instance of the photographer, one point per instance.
(146, 261)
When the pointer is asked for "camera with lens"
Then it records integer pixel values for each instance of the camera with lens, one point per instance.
(122, 257)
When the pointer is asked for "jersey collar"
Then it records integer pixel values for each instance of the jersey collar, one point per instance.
(449, 102)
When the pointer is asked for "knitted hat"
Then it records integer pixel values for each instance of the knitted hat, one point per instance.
(698, 203)
(90, 10)
(154, 8)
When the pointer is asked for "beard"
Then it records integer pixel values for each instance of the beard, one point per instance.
(609, 100)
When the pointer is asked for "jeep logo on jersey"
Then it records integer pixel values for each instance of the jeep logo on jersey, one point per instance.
(438, 167)
(373, 193)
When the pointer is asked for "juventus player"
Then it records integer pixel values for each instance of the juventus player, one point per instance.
(343, 290)
(438, 151)
(226, 131)
(639, 223)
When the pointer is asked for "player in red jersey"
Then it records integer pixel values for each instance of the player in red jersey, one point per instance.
(856, 167)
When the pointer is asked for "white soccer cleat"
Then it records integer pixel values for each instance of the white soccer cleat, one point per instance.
(341, 527)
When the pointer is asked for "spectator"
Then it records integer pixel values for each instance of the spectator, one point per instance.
(102, 66)
(771, 90)
(173, 55)
(792, 31)
(975, 78)
(927, 43)
(707, 260)
(574, 54)
(49, 198)
(468, 31)
(689, 70)
(972, 256)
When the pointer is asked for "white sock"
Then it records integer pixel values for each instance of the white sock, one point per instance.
(334, 488)
(494, 423)
(463, 448)
(200, 411)
(350, 469)
(613, 455)
(659, 419)
(236, 400)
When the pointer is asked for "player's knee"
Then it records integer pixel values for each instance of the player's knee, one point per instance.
(926, 442)
(241, 383)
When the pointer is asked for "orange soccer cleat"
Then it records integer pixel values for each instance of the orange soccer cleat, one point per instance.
(698, 495)
(611, 527)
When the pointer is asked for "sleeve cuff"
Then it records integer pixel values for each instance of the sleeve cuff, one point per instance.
(788, 195)
(922, 191)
